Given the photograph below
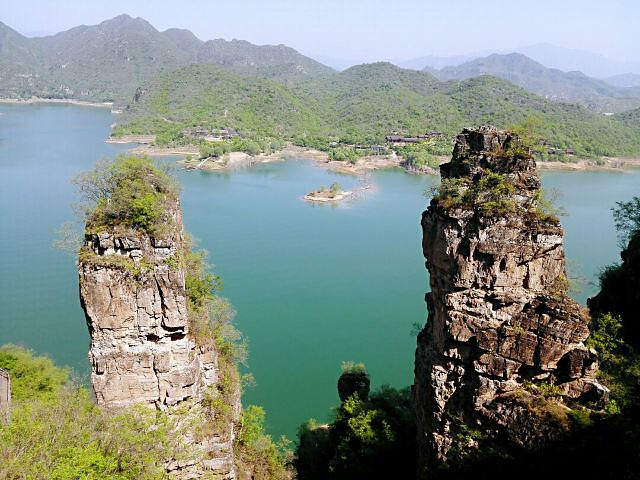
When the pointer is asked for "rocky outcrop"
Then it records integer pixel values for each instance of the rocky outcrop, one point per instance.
(354, 383)
(502, 352)
(132, 289)
(5, 395)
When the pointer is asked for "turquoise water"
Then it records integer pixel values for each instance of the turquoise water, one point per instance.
(313, 285)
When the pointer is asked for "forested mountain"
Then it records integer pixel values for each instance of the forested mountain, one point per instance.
(362, 105)
(550, 83)
(274, 91)
(630, 118)
(107, 62)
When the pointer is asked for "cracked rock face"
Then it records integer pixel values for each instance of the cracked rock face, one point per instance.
(499, 321)
(141, 350)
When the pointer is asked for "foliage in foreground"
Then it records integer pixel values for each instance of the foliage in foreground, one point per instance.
(258, 456)
(56, 432)
(368, 438)
(620, 283)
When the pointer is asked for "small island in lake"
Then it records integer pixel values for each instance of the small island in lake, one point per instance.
(334, 193)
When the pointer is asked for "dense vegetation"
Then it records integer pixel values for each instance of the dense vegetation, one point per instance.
(272, 94)
(360, 106)
(630, 117)
(129, 193)
(107, 62)
(56, 432)
(370, 436)
(620, 283)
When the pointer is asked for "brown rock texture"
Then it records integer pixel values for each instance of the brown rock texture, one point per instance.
(141, 350)
(501, 330)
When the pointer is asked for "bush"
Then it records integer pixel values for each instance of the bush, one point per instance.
(56, 432)
(31, 377)
(258, 455)
(492, 194)
(344, 154)
(352, 367)
(128, 192)
(422, 154)
(360, 441)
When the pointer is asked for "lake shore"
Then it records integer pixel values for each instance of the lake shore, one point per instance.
(236, 160)
(582, 165)
(60, 101)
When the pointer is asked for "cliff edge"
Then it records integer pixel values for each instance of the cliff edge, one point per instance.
(502, 356)
(134, 275)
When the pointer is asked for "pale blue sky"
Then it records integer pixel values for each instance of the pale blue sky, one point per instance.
(364, 30)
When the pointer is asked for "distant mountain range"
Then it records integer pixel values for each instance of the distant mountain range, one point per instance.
(550, 83)
(624, 80)
(107, 62)
(551, 56)
(569, 59)
(275, 91)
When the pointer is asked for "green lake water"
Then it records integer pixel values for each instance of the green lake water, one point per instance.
(313, 285)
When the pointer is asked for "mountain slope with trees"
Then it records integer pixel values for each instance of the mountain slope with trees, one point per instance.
(630, 117)
(107, 62)
(361, 105)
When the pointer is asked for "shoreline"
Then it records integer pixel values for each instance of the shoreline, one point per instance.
(607, 164)
(363, 165)
(236, 160)
(60, 101)
(341, 195)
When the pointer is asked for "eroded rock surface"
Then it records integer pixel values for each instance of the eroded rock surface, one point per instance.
(501, 329)
(5, 396)
(132, 290)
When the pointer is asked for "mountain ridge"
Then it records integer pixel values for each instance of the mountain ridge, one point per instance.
(108, 61)
(550, 83)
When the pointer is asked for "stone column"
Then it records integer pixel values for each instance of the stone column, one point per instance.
(5, 395)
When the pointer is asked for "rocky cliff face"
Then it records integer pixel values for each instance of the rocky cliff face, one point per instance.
(132, 289)
(502, 352)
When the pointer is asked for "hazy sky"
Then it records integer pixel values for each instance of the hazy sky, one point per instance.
(363, 30)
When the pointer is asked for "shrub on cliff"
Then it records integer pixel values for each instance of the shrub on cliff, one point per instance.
(56, 432)
(128, 192)
(368, 438)
(492, 194)
(258, 455)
